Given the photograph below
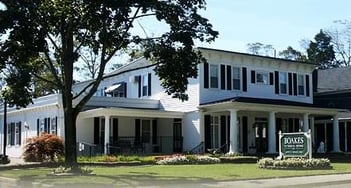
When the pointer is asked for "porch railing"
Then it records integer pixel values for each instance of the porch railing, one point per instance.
(133, 145)
(198, 149)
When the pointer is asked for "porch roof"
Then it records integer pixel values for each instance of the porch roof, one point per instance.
(127, 112)
(276, 105)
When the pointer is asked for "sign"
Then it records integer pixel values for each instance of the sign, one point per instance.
(295, 144)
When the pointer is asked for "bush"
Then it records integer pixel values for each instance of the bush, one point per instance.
(43, 148)
(4, 159)
(294, 163)
(188, 159)
(238, 159)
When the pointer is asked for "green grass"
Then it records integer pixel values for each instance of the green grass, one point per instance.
(148, 175)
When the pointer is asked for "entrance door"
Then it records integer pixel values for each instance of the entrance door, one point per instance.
(261, 135)
(177, 135)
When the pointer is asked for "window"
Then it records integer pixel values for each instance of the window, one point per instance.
(145, 85)
(262, 77)
(301, 85)
(117, 90)
(47, 125)
(53, 126)
(146, 131)
(14, 133)
(213, 76)
(236, 78)
(283, 82)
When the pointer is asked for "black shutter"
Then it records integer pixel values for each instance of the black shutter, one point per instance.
(38, 129)
(20, 132)
(13, 129)
(137, 131)
(290, 85)
(253, 76)
(206, 83)
(105, 94)
(149, 84)
(295, 83)
(244, 78)
(271, 78)
(228, 132)
(139, 86)
(223, 77)
(229, 77)
(207, 125)
(154, 131)
(49, 128)
(96, 130)
(56, 125)
(276, 81)
(115, 130)
(223, 128)
(307, 85)
(125, 89)
(245, 133)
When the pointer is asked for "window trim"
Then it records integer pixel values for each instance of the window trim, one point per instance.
(211, 66)
(286, 83)
(240, 78)
(301, 76)
(259, 72)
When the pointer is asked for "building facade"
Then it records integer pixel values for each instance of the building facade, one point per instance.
(238, 103)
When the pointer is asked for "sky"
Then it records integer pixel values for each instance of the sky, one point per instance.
(281, 23)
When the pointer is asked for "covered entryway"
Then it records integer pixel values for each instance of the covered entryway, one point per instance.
(127, 131)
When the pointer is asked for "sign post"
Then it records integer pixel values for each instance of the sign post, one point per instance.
(295, 144)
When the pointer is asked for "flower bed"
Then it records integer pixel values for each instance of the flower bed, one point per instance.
(238, 159)
(188, 159)
(294, 163)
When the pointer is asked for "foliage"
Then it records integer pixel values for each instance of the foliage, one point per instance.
(43, 148)
(65, 170)
(292, 54)
(4, 159)
(340, 33)
(258, 48)
(299, 163)
(238, 159)
(321, 51)
(50, 34)
(188, 159)
(117, 158)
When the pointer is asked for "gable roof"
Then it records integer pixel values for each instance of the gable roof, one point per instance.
(336, 79)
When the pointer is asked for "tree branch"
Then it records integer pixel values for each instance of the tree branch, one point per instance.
(52, 69)
(140, 16)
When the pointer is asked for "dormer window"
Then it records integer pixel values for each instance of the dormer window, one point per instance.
(117, 90)
(262, 77)
(301, 84)
(145, 85)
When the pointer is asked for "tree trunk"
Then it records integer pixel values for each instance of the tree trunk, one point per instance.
(70, 138)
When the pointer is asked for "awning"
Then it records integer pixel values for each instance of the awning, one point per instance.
(112, 88)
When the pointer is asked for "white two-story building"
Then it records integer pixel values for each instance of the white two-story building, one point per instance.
(238, 103)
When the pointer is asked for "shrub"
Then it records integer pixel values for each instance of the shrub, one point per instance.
(294, 163)
(43, 148)
(4, 159)
(188, 159)
(238, 159)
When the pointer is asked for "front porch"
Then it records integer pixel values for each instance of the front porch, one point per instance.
(129, 131)
(236, 126)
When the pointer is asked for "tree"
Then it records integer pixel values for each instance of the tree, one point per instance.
(292, 54)
(341, 40)
(321, 51)
(46, 33)
(258, 48)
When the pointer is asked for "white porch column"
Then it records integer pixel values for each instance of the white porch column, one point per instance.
(272, 146)
(305, 122)
(233, 136)
(336, 144)
(202, 126)
(107, 134)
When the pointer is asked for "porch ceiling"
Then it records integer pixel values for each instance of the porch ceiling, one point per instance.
(285, 108)
(125, 112)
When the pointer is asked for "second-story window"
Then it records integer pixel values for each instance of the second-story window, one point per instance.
(213, 76)
(300, 85)
(236, 78)
(283, 82)
(145, 85)
(262, 77)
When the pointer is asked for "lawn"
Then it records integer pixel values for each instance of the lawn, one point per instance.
(163, 175)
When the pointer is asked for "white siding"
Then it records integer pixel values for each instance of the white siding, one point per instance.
(191, 130)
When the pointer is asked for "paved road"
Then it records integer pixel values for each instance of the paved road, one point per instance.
(325, 181)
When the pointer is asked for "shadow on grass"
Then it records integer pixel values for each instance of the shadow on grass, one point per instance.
(133, 179)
